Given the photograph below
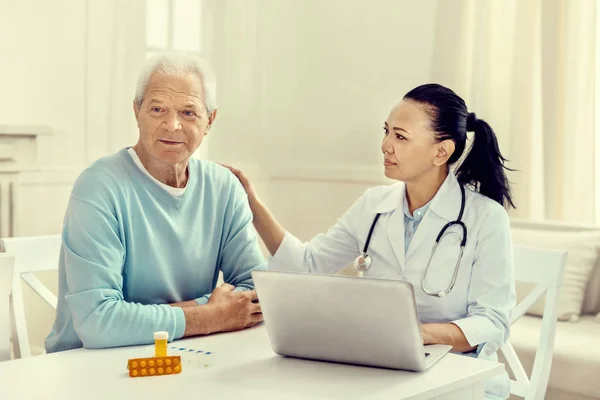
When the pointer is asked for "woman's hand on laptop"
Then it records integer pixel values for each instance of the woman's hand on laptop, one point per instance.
(446, 334)
(225, 311)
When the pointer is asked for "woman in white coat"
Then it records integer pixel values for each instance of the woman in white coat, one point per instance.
(423, 136)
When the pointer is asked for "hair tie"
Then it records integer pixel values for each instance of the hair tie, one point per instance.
(471, 122)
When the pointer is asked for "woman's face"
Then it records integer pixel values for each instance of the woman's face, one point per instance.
(409, 146)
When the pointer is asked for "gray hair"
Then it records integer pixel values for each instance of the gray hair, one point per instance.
(179, 64)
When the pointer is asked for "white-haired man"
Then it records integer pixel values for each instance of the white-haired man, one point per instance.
(148, 229)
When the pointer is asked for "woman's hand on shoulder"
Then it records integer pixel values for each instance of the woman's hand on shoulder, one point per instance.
(245, 181)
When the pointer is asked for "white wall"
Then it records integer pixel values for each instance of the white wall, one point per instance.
(304, 89)
(42, 73)
(70, 65)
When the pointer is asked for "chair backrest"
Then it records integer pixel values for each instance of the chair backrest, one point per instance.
(31, 254)
(545, 269)
(591, 302)
(6, 278)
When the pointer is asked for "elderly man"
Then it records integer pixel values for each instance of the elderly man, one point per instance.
(148, 229)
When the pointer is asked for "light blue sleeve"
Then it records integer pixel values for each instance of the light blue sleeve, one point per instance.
(204, 299)
(240, 252)
(94, 258)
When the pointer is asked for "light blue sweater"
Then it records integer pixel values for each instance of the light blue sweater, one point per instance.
(130, 248)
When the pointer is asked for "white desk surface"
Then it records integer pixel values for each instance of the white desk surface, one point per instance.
(241, 365)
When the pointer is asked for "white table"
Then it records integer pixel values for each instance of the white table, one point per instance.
(241, 365)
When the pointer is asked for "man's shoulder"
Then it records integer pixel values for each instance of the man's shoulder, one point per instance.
(211, 169)
(220, 185)
(217, 176)
(104, 175)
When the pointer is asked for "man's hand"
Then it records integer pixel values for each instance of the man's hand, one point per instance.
(225, 311)
(237, 310)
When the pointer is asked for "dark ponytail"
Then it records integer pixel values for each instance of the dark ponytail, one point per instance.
(483, 168)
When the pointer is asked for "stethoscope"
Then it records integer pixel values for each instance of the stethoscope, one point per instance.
(363, 262)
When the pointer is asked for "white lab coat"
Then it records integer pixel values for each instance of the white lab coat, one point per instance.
(484, 295)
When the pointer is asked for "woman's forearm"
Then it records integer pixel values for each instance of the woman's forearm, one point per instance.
(270, 231)
(446, 334)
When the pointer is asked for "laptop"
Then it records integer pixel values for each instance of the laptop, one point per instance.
(342, 319)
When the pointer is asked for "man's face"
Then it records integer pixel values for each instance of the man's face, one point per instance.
(172, 118)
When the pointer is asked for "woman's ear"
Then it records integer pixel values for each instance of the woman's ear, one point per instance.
(445, 149)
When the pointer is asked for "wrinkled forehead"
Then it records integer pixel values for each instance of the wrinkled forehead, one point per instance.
(174, 89)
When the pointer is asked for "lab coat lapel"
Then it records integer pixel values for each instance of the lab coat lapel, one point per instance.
(395, 233)
(392, 205)
(445, 204)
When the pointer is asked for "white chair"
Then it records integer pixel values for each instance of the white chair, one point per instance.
(6, 278)
(543, 268)
(31, 254)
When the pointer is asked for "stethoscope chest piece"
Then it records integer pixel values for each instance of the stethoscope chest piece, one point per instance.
(363, 262)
